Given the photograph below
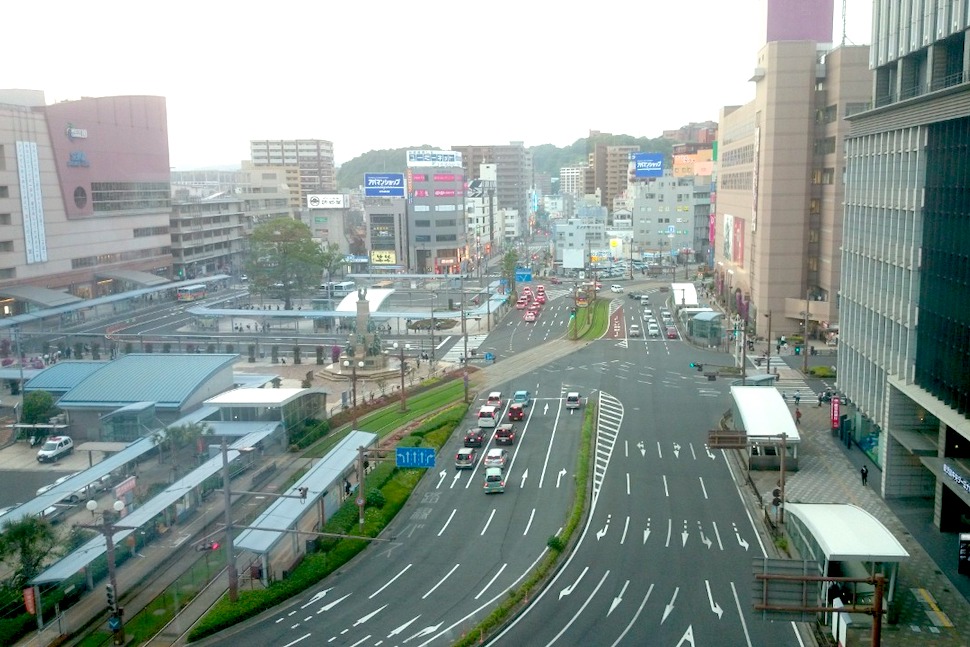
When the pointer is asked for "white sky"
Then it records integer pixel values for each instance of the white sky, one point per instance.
(388, 74)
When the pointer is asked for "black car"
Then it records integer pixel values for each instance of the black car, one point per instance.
(475, 437)
(634, 295)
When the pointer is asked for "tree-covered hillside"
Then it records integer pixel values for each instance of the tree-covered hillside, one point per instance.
(546, 158)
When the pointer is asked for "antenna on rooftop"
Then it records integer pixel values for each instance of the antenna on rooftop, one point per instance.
(843, 23)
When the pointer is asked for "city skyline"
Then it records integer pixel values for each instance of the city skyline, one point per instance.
(229, 76)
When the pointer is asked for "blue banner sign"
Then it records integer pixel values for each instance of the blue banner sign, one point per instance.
(414, 456)
(648, 164)
(384, 185)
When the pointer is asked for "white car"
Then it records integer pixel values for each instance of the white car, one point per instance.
(653, 330)
(634, 330)
(617, 289)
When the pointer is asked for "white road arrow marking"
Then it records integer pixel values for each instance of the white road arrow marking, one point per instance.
(642, 447)
(545, 409)
(428, 630)
(562, 473)
(711, 456)
(370, 615)
(441, 478)
(525, 475)
(619, 598)
(331, 605)
(670, 606)
(676, 450)
(684, 534)
(687, 637)
(646, 532)
(407, 624)
(318, 596)
(737, 534)
(569, 589)
(602, 532)
(704, 540)
(715, 607)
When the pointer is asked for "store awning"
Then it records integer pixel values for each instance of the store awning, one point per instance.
(144, 279)
(40, 296)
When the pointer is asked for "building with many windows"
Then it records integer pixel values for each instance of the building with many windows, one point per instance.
(84, 198)
(664, 212)
(572, 181)
(311, 158)
(436, 216)
(513, 173)
(904, 344)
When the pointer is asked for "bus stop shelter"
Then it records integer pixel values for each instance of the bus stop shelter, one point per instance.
(767, 423)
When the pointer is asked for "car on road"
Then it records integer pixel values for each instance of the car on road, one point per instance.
(671, 332)
(474, 437)
(541, 297)
(494, 480)
(540, 289)
(505, 434)
(574, 400)
(494, 399)
(530, 315)
(633, 295)
(635, 331)
(465, 458)
(645, 299)
(616, 289)
(496, 457)
(555, 280)
(522, 303)
(522, 397)
(51, 486)
(516, 411)
(653, 330)
(488, 416)
(527, 292)
(55, 448)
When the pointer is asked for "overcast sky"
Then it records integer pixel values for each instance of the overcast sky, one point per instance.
(389, 74)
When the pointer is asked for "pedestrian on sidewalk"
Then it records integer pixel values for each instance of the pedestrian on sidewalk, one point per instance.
(819, 398)
(865, 475)
(798, 416)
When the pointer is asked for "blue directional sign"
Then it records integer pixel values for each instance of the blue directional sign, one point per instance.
(414, 456)
(114, 623)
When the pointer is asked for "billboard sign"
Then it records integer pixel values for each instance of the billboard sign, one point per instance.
(383, 257)
(383, 185)
(648, 164)
(326, 201)
(445, 159)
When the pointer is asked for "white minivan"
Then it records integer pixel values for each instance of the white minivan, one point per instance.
(488, 417)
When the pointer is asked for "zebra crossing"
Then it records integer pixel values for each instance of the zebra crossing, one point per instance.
(454, 353)
(789, 381)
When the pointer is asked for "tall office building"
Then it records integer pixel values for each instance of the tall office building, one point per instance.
(513, 168)
(437, 230)
(572, 181)
(778, 229)
(312, 157)
(84, 198)
(904, 341)
(608, 170)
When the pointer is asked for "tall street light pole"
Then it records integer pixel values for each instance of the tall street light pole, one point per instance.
(808, 302)
(404, 401)
(107, 528)
(464, 334)
(768, 356)
(352, 365)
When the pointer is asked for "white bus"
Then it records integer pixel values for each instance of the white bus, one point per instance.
(338, 288)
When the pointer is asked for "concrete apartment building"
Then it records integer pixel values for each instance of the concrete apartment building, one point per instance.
(312, 158)
(85, 198)
(608, 170)
(572, 181)
(778, 229)
(904, 342)
(664, 214)
(513, 172)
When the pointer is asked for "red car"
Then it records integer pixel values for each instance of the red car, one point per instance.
(505, 435)
(555, 280)
(516, 412)
(541, 297)
(671, 332)
(531, 315)
(521, 303)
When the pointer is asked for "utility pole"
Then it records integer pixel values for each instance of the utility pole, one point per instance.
(464, 334)
(768, 356)
(808, 301)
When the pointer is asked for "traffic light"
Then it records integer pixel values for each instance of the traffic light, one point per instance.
(698, 366)
(112, 600)
(776, 497)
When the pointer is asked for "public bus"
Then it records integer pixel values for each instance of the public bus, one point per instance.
(338, 288)
(190, 292)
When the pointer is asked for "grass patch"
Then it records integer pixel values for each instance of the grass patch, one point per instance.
(601, 320)
(821, 371)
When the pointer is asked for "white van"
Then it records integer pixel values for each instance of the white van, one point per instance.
(488, 417)
(644, 300)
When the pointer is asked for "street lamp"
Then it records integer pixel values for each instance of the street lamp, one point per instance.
(401, 348)
(434, 299)
(768, 355)
(353, 385)
(115, 622)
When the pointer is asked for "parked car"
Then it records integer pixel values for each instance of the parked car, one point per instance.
(505, 434)
(465, 458)
(55, 448)
(51, 486)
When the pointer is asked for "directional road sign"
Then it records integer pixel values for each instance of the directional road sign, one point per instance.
(414, 457)
(114, 623)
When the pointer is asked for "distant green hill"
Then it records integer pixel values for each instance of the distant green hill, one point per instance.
(546, 158)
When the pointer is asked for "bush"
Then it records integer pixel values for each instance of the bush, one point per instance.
(821, 371)
(375, 498)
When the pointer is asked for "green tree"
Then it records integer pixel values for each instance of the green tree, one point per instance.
(284, 260)
(332, 259)
(176, 437)
(38, 408)
(24, 545)
(509, 262)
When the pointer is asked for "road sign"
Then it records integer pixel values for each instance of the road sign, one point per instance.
(414, 456)
(114, 623)
(360, 500)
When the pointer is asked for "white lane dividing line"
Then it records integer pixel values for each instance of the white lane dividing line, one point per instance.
(300, 639)
(660, 453)
(491, 581)
(666, 491)
(532, 516)
(389, 582)
(744, 625)
(626, 526)
(575, 617)
(717, 533)
(490, 517)
(704, 489)
(634, 619)
(441, 581)
(628, 484)
(450, 517)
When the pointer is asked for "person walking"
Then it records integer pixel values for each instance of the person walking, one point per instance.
(798, 416)
(798, 398)
(819, 398)
(865, 475)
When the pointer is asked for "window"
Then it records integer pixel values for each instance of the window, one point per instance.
(4, 218)
(446, 238)
(422, 223)
(4, 192)
(6, 245)
(8, 273)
